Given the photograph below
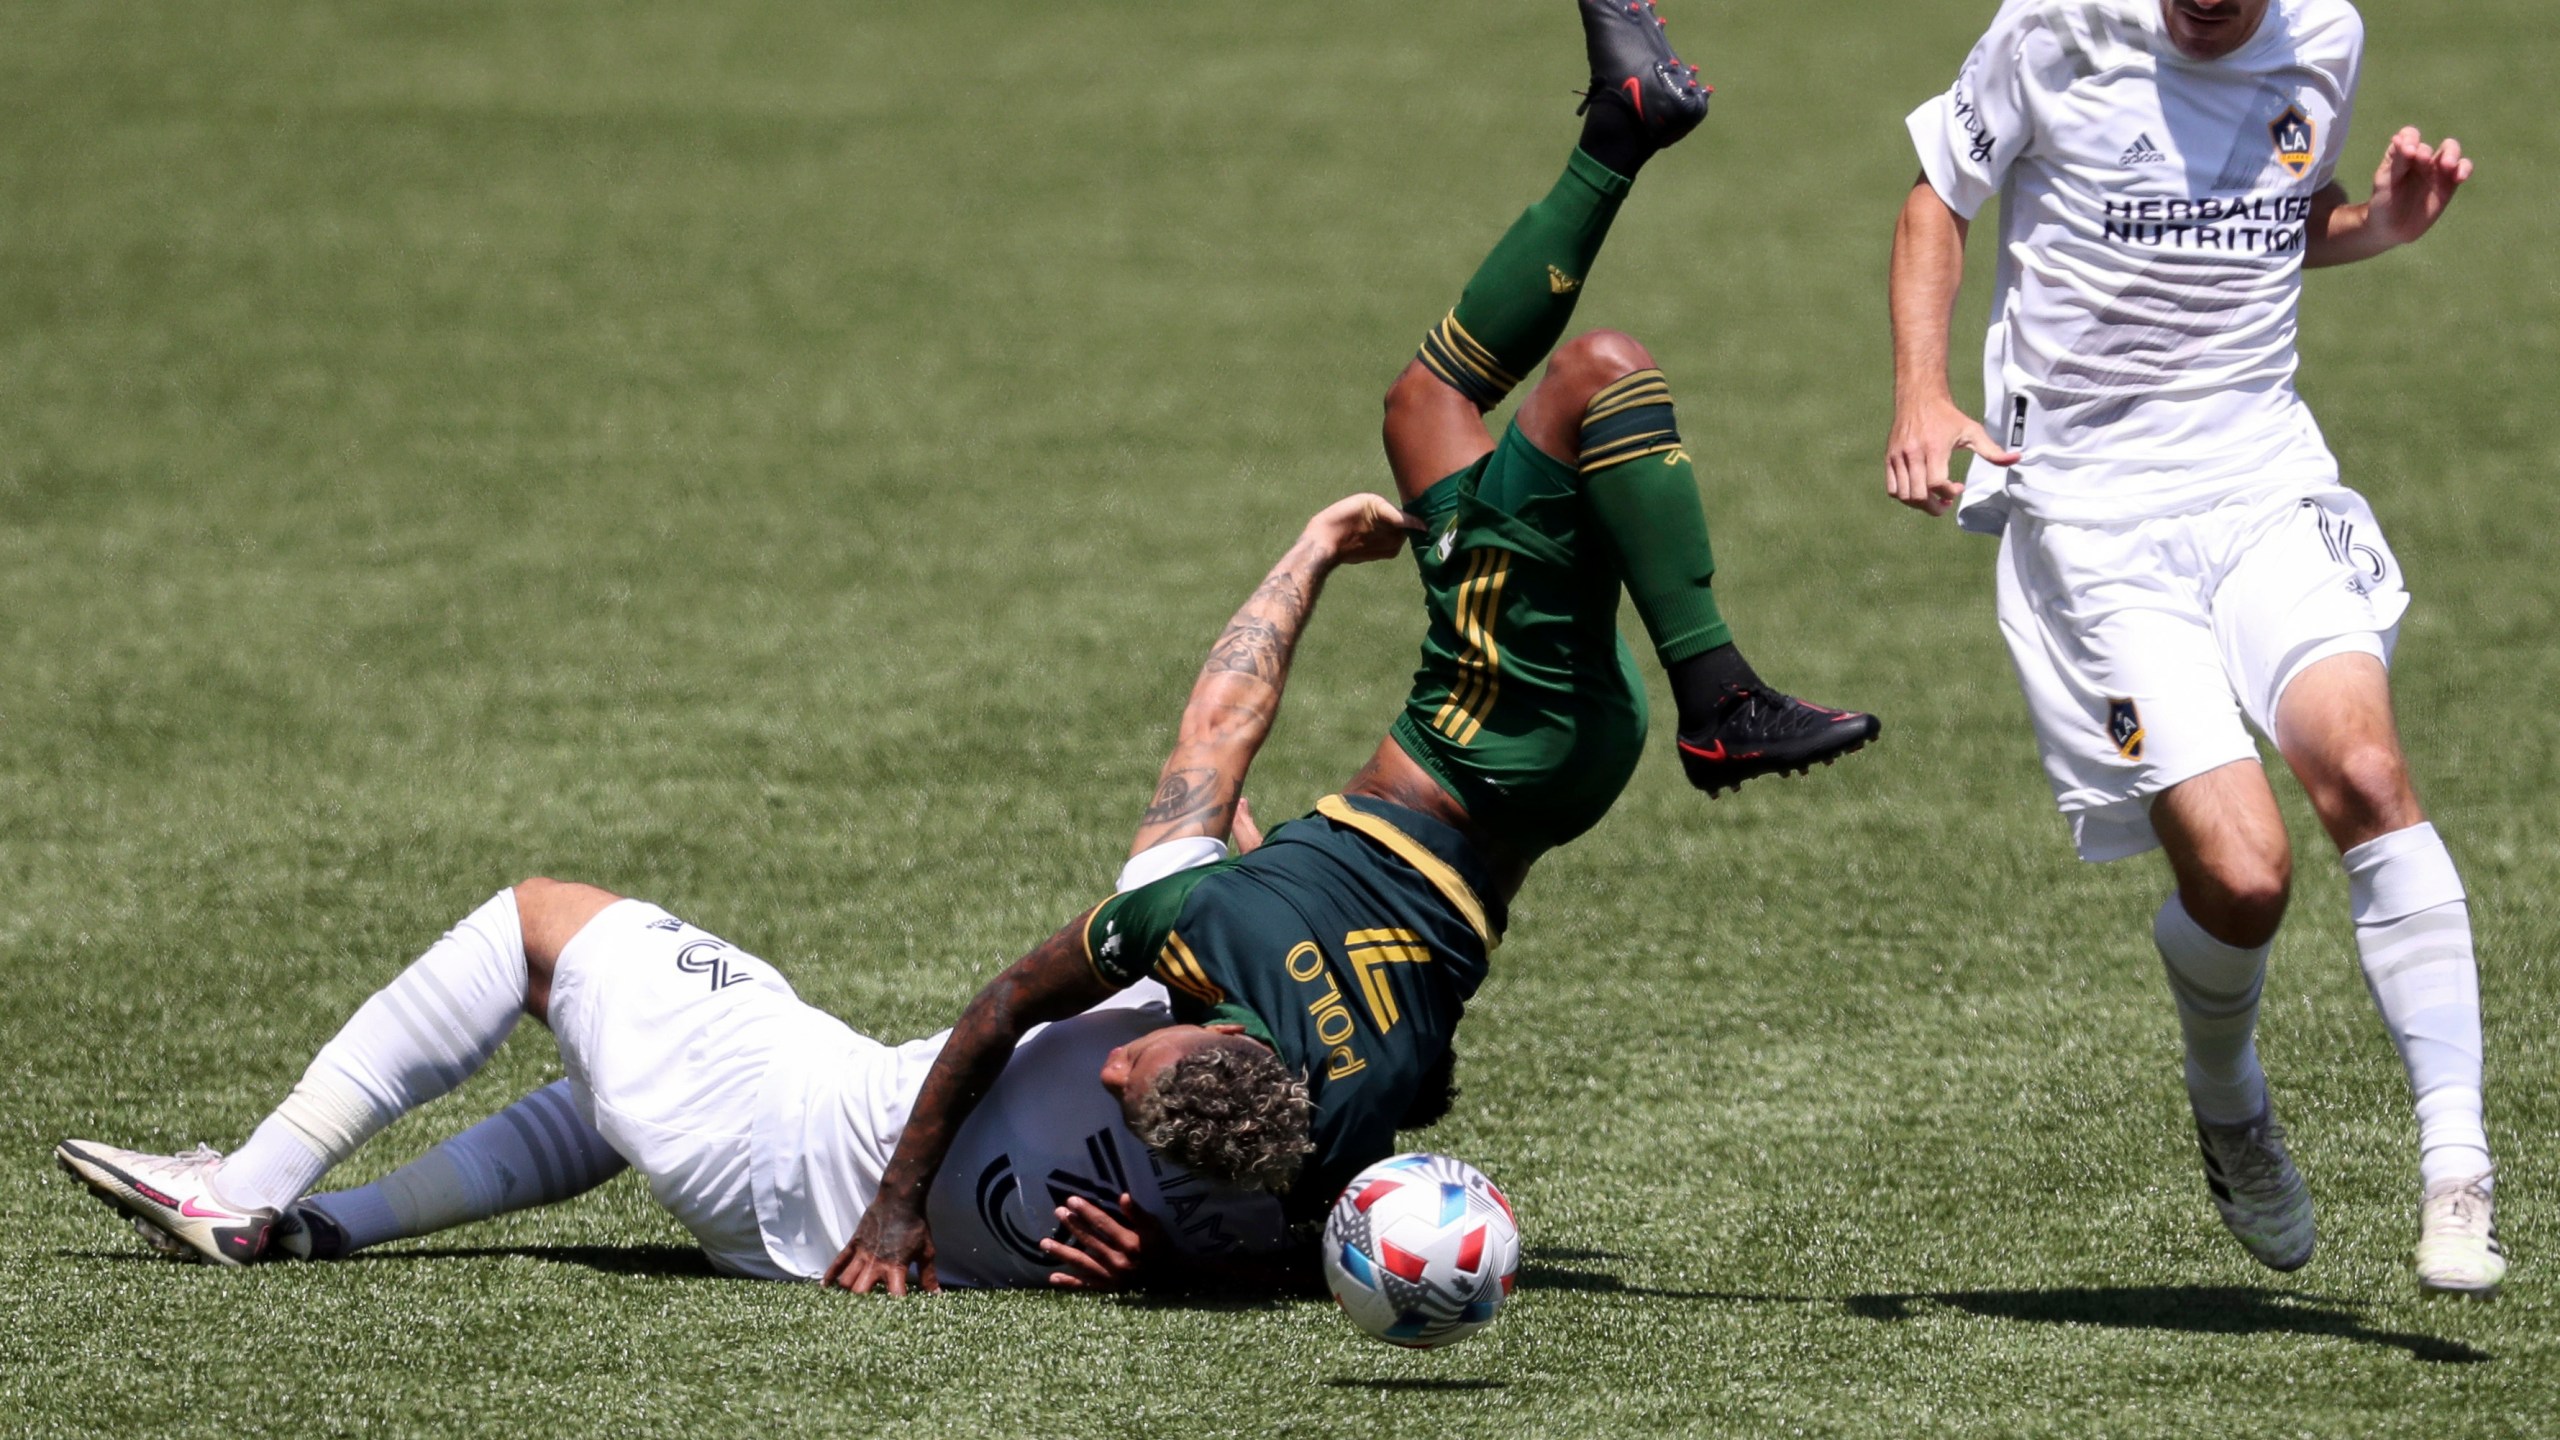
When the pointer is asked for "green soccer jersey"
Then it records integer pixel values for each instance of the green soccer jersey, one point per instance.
(1349, 942)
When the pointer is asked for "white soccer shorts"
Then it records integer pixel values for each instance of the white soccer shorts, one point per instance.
(667, 1033)
(2147, 649)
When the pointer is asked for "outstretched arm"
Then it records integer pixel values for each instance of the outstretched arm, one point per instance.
(1928, 428)
(1237, 696)
(2411, 189)
(1051, 983)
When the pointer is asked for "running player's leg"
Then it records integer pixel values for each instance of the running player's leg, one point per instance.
(538, 1151)
(1605, 410)
(2144, 744)
(418, 1037)
(2226, 845)
(1512, 312)
(2413, 935)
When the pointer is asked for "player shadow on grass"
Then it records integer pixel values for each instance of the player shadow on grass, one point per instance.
(2196, 1309)
(1540, 1270)
(648, 1262)
(653, 1262)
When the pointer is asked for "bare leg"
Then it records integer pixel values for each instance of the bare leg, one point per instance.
(1431, 432)
(2413, 926)
(2227, 847)
(552, 913)
(1583, 366)
(2335, 727)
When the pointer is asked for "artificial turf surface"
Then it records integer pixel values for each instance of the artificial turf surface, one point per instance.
(785, 460)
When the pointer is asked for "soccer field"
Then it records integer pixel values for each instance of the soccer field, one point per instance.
(786, 460)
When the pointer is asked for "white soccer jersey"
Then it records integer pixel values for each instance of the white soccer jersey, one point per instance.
(2153, 215)
(834, 1106)
(1048, 1131)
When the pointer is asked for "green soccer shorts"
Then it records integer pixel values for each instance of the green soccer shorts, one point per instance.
(1528, 707)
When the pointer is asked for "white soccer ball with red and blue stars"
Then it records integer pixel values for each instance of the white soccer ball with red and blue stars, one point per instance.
(1421, 1250)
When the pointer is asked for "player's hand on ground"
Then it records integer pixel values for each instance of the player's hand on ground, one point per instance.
(1103, 1250)
(883, 1246)
(1360, 528)
(1925, 438)
(2414, 184)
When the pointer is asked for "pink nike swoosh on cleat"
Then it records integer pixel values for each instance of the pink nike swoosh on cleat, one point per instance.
(189, 1210)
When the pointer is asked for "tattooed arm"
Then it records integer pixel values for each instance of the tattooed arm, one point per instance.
(1232, 706)
(1237, 696)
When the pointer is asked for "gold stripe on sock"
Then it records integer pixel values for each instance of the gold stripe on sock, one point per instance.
(1617, 389)
(1601, 408)
(1623, 451)
(1463, 347)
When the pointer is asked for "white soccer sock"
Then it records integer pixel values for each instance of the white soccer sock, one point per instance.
(538, 1151)
(417, 1038)
(2216, 987)
(2413, 932)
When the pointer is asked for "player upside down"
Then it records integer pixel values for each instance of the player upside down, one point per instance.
(1351, 941)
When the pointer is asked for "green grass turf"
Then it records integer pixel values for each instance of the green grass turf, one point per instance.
(785, 460)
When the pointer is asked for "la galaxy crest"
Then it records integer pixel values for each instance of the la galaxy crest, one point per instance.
(2124, 727)
(2293, 135)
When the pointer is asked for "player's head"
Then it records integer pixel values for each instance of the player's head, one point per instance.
(2211, 29)
(1213, 1101)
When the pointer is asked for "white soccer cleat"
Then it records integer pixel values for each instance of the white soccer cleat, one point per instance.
(2261, 1196)
(2458, 1250)
(171, 1200)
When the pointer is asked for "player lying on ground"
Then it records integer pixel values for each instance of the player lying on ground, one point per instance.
(763, 1124)
(760, 1122)
(1351, 941)
(2178, 552)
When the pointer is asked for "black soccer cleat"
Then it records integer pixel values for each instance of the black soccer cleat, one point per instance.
(1757, 731)
(1632, 67)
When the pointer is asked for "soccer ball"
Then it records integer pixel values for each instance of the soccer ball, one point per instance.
(1421, 1250)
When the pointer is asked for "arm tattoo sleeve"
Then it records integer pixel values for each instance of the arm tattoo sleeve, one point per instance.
(1185, 794)
(1258, 640)
(1233, 704)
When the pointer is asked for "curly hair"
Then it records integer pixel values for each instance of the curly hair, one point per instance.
(1231, 1111)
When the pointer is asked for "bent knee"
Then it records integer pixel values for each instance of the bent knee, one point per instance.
(1416, 390)
(2243, 902)
(2367, 790)
(1596, 357)
(552, 912)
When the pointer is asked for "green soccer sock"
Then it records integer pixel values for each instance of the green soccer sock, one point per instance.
(1517, 304)
(1637, 478)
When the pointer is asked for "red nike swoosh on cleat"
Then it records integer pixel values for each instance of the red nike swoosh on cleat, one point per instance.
(191, 1212)
(1635, 94)
(1715, 754)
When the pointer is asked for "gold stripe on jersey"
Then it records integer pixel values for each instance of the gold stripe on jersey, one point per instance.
(1442, 876)
(1177, 967)
(1370, 952)
(1479, 686)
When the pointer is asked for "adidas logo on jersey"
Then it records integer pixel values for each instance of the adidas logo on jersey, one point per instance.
(2140, 152)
